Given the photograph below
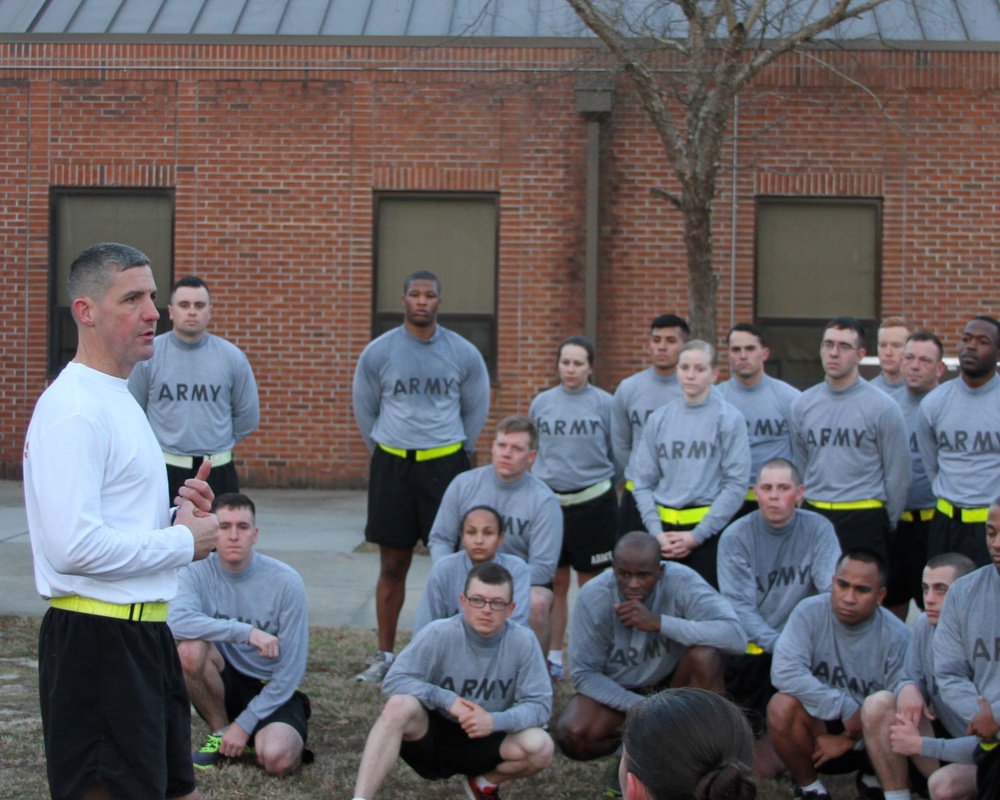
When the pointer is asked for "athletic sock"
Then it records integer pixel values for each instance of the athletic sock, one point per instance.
(555, 657)
(815, 786)
(899, 794)
(386, 657)
(482, 783)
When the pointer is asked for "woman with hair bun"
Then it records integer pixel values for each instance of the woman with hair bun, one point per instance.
(687, 744)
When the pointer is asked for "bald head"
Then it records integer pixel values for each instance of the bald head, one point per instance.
(637, 546)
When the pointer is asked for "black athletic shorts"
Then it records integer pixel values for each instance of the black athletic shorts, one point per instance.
(949, 535)
(629, 518)
(907, 559)
(703, 558)
(866, 528)
(446, 750)
(589, 533)
(114, 707)
(748, 683)
(404, 495)
(241, 689)
(851, 761)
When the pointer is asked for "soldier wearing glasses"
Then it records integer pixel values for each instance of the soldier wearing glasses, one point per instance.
(849, 440)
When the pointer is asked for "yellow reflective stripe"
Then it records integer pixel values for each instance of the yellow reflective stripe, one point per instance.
(987, 746)
(751, 497)
(424, 455)
(136, 612)
(190, 462)
(854, 505)
(923, 514)
(629, 485)
(965, 514)
(754, 649)
(576, 498)
(683, 516)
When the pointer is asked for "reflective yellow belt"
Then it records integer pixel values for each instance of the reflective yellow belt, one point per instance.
(683, 516)
(852, 506)
(189, 462)
(922, 514)
(629, 485)
(754, 649)
(136, 612)
(424, 455)
(964, 514)
(576, 498)
(751, 497)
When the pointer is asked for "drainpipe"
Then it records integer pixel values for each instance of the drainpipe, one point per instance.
(594, 101)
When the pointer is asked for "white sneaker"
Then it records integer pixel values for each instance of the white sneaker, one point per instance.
(375, 671)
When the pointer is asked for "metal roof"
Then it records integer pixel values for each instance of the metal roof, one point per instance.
(896, 20)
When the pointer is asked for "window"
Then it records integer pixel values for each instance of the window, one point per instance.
(84, 217)
(816, 259)
(453, 236)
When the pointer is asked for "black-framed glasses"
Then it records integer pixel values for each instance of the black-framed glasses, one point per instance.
(496, 604)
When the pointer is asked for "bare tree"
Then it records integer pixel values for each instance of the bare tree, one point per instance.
(720, 46)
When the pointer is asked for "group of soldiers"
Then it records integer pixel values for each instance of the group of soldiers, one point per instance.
(762, 542)
(742, 538)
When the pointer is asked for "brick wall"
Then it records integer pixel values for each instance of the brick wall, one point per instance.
(274, 153)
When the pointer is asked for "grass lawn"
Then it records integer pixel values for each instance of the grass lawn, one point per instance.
(342, 714)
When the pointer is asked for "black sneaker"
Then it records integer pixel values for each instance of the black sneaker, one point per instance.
(206, 757)
(866, 792)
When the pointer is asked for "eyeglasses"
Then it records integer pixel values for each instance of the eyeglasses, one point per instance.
(496, 604)
(840, 347)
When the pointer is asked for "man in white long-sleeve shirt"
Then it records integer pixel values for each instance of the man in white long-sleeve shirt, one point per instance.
(243, 676)
(469, 696)
(115, 714)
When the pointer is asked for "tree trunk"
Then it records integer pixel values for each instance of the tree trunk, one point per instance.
(702, 280)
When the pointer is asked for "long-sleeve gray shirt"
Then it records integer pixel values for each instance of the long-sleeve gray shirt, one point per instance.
(691, 456)
(417, 394)
(200, 397)
(894, 390)
(765, 571)
(574, 437)
(532, 518)
(608, 661)
(446, 582)
(967, 644)
(831, 667)
(959, 437)
(634, 400)
(219, 606)
(919, 670)
(851, 445)
(766, 407)
(505, 674)
(921, 494)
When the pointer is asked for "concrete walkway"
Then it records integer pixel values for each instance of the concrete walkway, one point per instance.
(316, 532)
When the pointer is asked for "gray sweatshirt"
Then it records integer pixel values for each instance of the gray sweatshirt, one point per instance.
(532, 518)
(766, 406)
(919, 671)
(634, 400)
(894, 390)
(219, 606)
(200, 398)
(921, 494)
(608, 660)
(765, 571)
(831, 667)
(505, 674)
(690, 456)
(574, 437)
(967, 644)
(446, 582)
(851, 445)
(414, 394)
(959, 436)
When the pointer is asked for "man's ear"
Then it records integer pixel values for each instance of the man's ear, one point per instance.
(83, 311)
